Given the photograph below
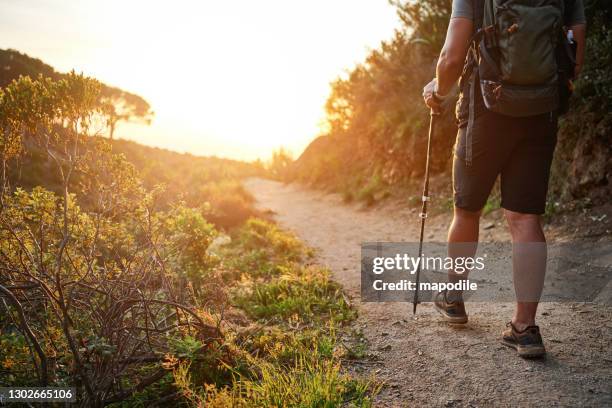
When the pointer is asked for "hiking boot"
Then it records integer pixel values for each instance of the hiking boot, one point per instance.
(453, 312)
(528, 343)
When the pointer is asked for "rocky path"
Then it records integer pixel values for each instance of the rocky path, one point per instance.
(425, 362)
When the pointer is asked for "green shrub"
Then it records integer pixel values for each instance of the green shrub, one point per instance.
(300, 293)
(230, 204)
(280, 245)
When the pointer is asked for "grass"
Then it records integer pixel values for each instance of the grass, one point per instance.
(275, 282)
(375, 189)
(492, 204)
(309, 383)
(301, 292)
(292, 358)
(358, 347)
(279, 246)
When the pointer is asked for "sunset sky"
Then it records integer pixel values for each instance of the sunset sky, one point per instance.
(228, 78)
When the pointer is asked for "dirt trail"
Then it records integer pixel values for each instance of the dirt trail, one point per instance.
(426, 362)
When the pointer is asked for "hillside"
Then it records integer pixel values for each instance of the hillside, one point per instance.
(116, 104)
(378, 124)
(185, 177)
(14, 63)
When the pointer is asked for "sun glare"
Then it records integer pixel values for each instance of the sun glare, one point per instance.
(235, 79)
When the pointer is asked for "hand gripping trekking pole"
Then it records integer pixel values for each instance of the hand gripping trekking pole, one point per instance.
(425, 199)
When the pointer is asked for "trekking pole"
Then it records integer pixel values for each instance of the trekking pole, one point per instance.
(425, 199)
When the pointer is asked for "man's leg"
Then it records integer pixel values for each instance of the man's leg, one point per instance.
(528, 265)
(524, 184)
(464, 227)
(462, 242)
(472, 185)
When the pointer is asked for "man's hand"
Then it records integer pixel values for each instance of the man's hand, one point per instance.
(428, 96)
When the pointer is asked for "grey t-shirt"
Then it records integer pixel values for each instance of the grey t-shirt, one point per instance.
(463, 8)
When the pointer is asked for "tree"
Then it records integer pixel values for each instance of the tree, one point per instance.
(279, 163)
(120, 106)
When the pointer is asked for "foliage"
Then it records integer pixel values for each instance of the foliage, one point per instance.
(120, 106)
(289, 290)
(595, 84)
(258, 233)
(296, 361)
(197, 181)
(113, 286)
(95, 292)
(279, 163)
(115, 104)
(377, 122)
(583, 166)
(299, 292)
(209, 183)
(309, 383)
(188, 237)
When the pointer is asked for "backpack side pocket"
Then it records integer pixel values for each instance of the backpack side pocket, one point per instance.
(520, 101)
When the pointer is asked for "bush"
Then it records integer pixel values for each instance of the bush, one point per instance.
(300, 293)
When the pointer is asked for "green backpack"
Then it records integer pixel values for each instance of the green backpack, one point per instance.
(517, 51)
(519, 63)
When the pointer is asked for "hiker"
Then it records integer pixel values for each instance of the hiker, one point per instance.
(509, 102)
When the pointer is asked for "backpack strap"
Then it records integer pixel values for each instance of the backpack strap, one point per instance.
(478, 17)
(568, 11)
(478, 13)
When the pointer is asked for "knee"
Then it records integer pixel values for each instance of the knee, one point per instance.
(519, 221)
(462, 215)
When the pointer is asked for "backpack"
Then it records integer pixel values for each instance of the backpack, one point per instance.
(519, 62)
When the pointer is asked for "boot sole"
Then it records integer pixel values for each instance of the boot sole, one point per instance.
(526, 351)
(451, 319)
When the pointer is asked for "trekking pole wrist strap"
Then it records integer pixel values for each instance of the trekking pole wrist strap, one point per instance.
(438, 97)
